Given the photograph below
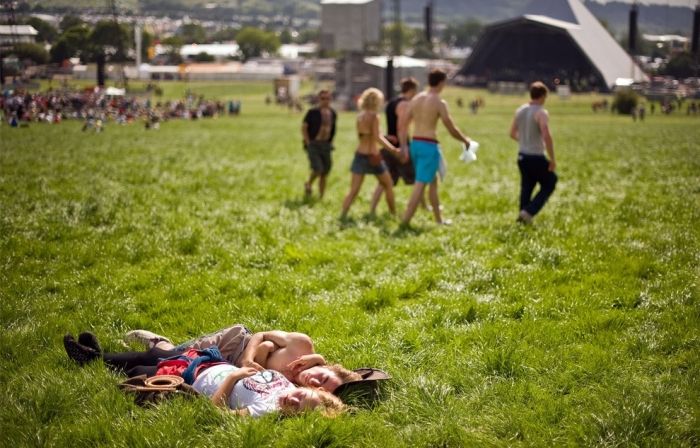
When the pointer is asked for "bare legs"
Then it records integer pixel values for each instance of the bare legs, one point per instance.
(385, 184)
(355, 184)
(321, 184)
(435, 201)
(415, 199)
(377, 196)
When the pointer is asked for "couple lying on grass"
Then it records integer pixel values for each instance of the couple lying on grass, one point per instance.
(252, 374)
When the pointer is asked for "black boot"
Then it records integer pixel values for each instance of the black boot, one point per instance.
(89, 340)
(78, 352)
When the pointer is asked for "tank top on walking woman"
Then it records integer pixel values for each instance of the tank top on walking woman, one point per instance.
(529, 135)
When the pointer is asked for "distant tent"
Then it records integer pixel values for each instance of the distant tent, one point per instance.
(554, 41)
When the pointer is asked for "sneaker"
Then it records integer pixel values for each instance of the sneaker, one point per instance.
(145, 337)
(524, 217)
(89, 340)
(78, 352)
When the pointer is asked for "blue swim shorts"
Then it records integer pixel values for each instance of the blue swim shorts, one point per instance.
(425, 155)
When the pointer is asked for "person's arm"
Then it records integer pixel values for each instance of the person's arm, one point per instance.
(306, 362)
(248, 358)
(402, 127)
(220, 396)
(305, 133)
(514, 131)
(381, 139)
(450, 125)
(543, 122)
(299, 342)
(401, 110)
(262, 352)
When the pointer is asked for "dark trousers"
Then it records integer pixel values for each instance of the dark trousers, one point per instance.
(138, 363)
(535, 170)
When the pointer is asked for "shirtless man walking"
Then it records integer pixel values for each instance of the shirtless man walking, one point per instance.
(424, 110)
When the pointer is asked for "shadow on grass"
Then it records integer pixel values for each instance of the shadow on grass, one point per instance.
(347, 223)
(386, 223)
(407, 230)
(298, 203)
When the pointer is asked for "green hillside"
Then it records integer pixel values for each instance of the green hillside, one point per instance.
(653, 18)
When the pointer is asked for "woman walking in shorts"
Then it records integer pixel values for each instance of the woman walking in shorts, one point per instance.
(367, 158)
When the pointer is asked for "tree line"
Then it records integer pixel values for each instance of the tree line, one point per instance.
(112, 41)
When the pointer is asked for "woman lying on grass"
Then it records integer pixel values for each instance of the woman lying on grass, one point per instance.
(245, 390)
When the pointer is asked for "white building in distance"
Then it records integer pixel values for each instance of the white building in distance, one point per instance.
(17, 34)
(349, 25)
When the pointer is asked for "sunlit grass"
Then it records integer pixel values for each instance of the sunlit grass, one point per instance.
(579, 330)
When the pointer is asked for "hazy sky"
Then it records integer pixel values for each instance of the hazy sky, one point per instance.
(689, 3)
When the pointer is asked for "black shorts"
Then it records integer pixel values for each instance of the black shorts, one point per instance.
(320, 159)
(399, 170)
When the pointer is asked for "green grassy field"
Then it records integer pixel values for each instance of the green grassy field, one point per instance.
(582, 329)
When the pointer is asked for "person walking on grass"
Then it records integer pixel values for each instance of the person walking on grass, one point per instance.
(530, 129)
(424, 110)
(367, 158)
(243, 390)
(318, 130)
(400, 167)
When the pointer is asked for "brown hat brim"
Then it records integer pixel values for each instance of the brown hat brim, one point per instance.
(369, 383)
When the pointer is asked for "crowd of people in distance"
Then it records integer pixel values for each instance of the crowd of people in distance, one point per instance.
(96, 107)
(666, 106)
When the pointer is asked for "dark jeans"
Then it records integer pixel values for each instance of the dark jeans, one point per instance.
(138, 363)
(535, 170)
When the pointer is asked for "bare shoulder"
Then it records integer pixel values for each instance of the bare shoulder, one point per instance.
(419, 98)
(543, 115)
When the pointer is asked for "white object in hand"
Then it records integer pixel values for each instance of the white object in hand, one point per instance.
(469, 154)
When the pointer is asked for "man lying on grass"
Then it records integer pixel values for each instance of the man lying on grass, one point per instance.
(244, 390)
(291, 354)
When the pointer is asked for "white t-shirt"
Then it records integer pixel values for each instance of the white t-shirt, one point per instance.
(257, 393)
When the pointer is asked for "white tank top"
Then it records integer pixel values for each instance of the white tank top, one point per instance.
(529, 135)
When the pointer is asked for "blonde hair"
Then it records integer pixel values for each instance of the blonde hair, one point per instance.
(371, 99)
(330, 406)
